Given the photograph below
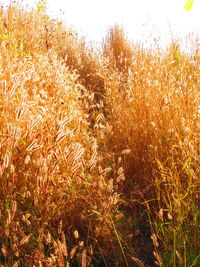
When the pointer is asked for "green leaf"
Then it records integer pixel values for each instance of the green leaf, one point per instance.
(188, 5)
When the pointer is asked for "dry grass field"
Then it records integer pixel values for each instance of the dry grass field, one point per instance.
(99, 152)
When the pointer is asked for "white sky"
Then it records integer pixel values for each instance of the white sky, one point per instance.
(142, 20)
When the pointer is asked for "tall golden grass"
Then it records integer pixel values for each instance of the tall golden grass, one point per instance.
(99, 154)
(154, 113)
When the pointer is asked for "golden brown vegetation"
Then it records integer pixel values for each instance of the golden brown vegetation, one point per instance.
(99, 154)
(154, 113)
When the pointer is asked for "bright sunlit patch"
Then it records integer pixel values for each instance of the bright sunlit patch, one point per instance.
(188, 5)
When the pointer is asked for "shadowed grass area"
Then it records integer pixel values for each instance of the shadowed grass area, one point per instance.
(99, 153)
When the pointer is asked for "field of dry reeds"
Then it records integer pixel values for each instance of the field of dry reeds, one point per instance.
(99, 152)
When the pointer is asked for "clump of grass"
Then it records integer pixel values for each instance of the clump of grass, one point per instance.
(57, 201)
(154, 115)
(26, 32)
(118, 49)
